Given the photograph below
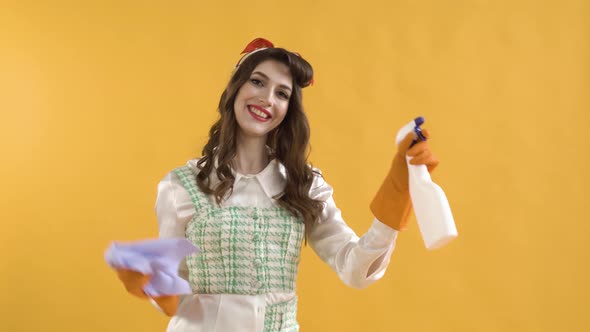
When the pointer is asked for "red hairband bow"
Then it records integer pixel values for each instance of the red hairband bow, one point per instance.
(258, 44)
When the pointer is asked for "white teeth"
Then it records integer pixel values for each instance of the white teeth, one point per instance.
(258, 112)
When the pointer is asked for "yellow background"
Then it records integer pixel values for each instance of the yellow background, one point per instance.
(99, 99)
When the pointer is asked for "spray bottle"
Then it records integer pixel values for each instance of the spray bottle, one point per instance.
(431, 206)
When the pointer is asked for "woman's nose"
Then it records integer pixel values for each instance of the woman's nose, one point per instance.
(266, 98)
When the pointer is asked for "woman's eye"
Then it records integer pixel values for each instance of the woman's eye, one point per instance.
(283, 95)
(255, 81)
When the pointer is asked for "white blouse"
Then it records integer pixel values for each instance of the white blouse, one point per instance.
(357, 261)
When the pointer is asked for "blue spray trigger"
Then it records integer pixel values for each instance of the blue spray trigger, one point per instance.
(418, 131)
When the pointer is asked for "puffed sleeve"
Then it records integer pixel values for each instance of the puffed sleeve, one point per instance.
(358, 261)
(174, 210)
(174, 207)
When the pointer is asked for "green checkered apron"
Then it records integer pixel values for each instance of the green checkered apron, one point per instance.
(244, 250)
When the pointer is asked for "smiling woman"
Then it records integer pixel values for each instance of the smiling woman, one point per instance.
(265, 99)
(251, 200)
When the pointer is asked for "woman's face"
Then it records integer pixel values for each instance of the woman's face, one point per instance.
(262, 102)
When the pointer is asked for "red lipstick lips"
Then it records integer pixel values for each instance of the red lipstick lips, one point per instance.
(260, 109)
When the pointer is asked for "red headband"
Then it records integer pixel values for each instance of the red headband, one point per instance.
(256, 45)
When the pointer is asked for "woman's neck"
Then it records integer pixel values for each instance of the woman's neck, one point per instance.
(251, 155)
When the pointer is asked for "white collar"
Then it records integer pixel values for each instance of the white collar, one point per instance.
(272, 178)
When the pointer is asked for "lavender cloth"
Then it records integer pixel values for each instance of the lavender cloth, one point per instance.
(160, 258)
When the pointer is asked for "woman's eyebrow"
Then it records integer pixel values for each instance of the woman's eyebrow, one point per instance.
(268, 79)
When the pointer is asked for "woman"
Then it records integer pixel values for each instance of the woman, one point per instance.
(251, 200)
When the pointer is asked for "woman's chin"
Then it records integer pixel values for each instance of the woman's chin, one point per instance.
(254, 133)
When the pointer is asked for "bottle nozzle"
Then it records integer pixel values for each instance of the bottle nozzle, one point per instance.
(419, 121)
(418, 131)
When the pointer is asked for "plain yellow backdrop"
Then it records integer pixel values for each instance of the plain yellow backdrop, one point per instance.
(100, 99)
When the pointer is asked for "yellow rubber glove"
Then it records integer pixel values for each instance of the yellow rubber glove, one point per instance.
(392, 204)
(135, 281)
(168, 304)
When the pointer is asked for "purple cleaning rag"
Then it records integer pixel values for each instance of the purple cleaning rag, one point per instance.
(160, 258)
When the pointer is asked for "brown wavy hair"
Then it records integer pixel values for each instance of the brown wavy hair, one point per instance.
(289, 142)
